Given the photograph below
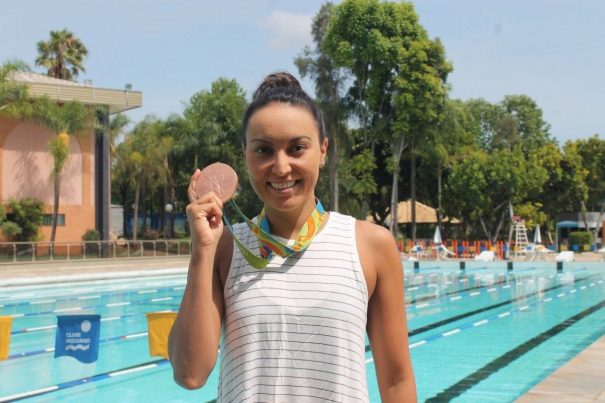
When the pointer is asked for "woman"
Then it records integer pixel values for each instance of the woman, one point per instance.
(295, 330)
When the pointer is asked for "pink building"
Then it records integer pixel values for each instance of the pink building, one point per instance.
(26, 166)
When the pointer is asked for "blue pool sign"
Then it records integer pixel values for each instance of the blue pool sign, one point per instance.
(78, 337)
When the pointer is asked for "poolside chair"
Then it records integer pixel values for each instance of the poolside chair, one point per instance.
(444, 253)
(418, 250)
(565, 256)
(486, 256)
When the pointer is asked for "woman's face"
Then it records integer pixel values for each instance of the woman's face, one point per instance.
(283, 156)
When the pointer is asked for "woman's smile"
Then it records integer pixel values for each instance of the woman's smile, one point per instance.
(283, 186)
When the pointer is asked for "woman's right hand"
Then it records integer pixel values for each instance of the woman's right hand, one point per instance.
(205, 216)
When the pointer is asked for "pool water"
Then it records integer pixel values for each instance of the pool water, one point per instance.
(479, 334)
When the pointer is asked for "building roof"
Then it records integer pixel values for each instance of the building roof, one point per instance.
(65, 90)
(424, 214)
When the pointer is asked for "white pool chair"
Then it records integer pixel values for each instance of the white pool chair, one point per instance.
(486, 256)
(418, 251)
(444, 253)
(565, 256)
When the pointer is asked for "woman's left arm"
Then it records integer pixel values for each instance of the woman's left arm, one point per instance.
(387, 324)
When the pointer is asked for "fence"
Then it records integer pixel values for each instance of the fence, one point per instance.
(16, 252)
(461, 249)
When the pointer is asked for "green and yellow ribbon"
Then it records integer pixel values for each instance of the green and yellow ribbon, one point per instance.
(270, 245)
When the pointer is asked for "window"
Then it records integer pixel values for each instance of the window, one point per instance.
(47, 220)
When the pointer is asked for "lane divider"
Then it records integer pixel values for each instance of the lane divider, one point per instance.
(85, 297)
(89, 379)
(103, 319)
(108, 305)
(52, 349)
(493, 318)
(458, 295)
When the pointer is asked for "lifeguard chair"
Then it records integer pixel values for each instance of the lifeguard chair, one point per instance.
(520, 232)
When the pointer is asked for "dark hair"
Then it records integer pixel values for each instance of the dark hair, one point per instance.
(282, 87)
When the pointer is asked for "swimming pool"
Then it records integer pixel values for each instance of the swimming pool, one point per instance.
(479, 334)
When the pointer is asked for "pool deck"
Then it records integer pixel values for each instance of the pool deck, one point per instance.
(582, 379)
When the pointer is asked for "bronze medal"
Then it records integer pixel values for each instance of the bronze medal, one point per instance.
(218, 178)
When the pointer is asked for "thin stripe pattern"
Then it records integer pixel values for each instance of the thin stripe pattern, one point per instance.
(295, 331)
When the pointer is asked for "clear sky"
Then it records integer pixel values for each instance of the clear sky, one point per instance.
(550, 50)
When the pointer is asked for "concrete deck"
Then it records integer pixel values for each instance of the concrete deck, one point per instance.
(581, 380)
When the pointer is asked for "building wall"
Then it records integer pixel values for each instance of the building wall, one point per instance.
(26, 169)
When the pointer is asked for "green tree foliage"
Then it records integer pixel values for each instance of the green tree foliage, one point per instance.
(13, 96)
(123, 177)
(71, 118)
(592, 152)
(515, 121)
(453, 139)
(25, 219)
(145, 156)
(329, 82)
(399, 74)
(211, 131)
(117, 128)
(529, 124)
(62, 55)
(482, 185)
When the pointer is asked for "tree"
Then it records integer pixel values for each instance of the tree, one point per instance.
(62, 55)
(148, 147)
(26, 218)
(453, 139)
(122, 178)
(532, 130)
(329, 80)
(398, 74)
(481, 186)
(592, 152)
(419, 103)
(72, 118)
(13, 96)
(212, 131)
(117, 127)
(356, 40)
(565, 188)
(515, 121)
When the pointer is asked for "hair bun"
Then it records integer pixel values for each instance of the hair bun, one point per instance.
(277, 80)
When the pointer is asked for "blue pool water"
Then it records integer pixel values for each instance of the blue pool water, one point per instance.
(482, 334)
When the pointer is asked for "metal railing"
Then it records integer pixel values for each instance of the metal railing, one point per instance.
(27, 252)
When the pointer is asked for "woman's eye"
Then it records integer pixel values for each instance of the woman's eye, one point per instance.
(262, 150)
(298, 148)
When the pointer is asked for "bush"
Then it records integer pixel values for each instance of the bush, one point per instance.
(580, 238)
(91, 235)
(27, 214)
(151, 234)
(11, 230)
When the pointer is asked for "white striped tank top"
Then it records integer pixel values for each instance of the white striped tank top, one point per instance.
(295, 331)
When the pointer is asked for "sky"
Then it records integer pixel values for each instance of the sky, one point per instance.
(550, 50)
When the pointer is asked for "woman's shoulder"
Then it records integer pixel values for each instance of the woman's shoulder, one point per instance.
(365, 230)
(374, 235)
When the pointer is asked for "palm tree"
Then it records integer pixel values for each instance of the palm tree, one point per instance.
(72, 118)
(149, 148)
(117, 127)
(62, 55)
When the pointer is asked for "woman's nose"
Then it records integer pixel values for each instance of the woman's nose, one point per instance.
(281, 164)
